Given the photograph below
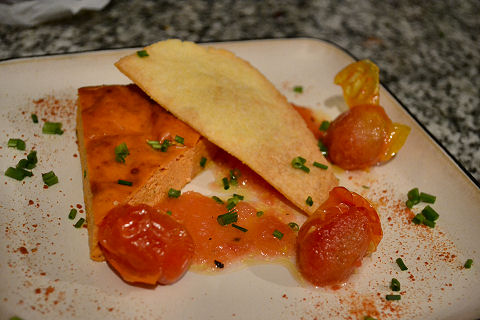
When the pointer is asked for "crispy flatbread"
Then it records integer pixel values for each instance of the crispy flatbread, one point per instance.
(234, 106)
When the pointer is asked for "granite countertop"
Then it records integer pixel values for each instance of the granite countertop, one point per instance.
(428, 52)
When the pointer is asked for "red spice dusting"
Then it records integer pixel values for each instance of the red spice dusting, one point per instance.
(48, 291)
(79, 206)
(23, 250)
(30, 202)
(75, 155)
(38, 291)
(284, 296)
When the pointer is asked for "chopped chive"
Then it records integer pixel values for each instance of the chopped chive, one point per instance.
(164, 146)
(299, 163)
(234, 175)
(72, 214)
(84, 173)
(154, 144)
(320, 165)
(79, 223)
(468, 264)
(418, 219)
(324, 125)
(414, 195)
(368, 318)
(239, 228)
(427, 198)
(323, 148)
(142, 53)
(365, 187)
(429, 223)
(226, 185)
(298, 89)
(22, 164)
(34, 118)
(121, 152)
(429, 213)
(203, 161)
(218, 264)
(395, 285)
(309, 201)
(227, 218)
(232, 202)
(169, 212)
(238, 196)
(217, 199)
(293, 226)
(277, 234)
(392, 297)
(32, 158)
(125, 182)
(409, 204)
(16, 173)
(19, 144)
(400, 263)
(52, 128)
(179, 139)
(259, 213)
(49, 178)
(172, 193)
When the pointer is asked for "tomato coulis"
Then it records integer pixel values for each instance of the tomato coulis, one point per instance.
(226, 244)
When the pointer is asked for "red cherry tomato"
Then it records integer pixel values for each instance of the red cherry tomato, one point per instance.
(144, 245)
(359, 137)
(333, 241)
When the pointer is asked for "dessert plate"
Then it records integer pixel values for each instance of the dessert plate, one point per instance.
(45, 270)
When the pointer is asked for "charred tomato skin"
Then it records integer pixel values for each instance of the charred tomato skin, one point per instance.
(144, 245)
(332, 243)
(359, 137)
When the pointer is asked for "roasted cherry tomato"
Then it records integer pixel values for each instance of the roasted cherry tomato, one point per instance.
(144, 245)
(360, 83)
(333, 241)
(359, 138)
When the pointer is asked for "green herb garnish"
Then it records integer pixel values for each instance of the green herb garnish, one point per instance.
(34, 118)
(203, 161)
(400, 263)
(172, 193)
(468, 264)
(49, 178)
(239, 228)
(179, 139)
(320, 165)
(125, 183)
(299, 163)
(298, 89)
(79, 223)
(142, 53)
(293, 226)
(121, 152)
(395, 285)
(392, 297)
(19, 144)
(52, 128)
(217, 200)
(227, 218)
(277, 234)
(324, 125)
(72, 214)
(309, 201)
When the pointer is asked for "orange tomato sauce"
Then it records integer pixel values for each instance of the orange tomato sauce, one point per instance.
(227, 244)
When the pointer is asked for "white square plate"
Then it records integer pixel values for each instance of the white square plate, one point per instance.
(45, 270)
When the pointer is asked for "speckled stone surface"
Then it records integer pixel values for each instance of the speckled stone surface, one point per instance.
(428, 51)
